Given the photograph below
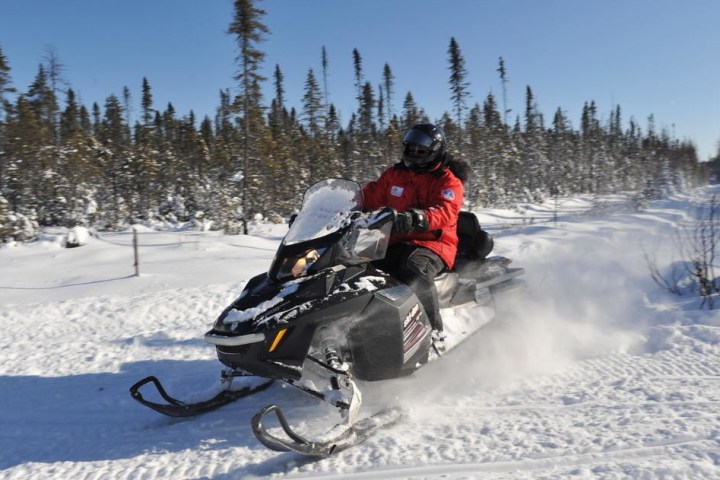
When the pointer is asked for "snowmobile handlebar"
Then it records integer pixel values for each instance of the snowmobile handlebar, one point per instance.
(377, 218)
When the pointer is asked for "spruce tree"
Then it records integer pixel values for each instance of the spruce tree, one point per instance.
(459, 86)
(389, 85)
(113, 158)
(325, 63)
(146, 103)
(78, 176)
(6, 221)
(366, 112)
(42, 100)
(249, 30)
(412, 114)
(5, 82)
(278, 117)
(503, 81)
(358, 69)
(312, 105)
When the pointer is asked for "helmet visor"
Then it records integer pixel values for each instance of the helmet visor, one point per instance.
(419, 138)
(418, 151)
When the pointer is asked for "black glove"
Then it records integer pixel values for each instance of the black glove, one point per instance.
(413, 220)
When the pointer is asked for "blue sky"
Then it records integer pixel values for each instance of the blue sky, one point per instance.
(656, 57)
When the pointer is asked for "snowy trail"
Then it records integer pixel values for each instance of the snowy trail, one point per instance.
(590, 372)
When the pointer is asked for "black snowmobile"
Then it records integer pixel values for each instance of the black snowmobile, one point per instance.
(323, 317)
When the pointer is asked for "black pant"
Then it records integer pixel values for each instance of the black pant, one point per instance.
(416, 267)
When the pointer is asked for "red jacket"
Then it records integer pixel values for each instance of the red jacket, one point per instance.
(439, 194)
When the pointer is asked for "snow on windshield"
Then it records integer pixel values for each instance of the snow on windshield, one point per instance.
(325, 209)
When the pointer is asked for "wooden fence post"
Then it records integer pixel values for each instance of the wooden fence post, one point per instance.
(135, 248)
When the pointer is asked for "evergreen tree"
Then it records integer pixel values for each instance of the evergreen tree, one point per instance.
(113, 158)
(5, 82)
(503, 81)
(366, 112)
(77, 173)
(312, 105)
(381, 108)
(534, 152)
(248, 30)
(5, 87)
(591, 150)
(127, 105)
(151, 184)
(389, 84)
(459, 85)
(332, 124)
(40, 159)
(358, 69)
(96, 118)
(314, 122)
(412, 114)
(23, 167)
(325, 63)
(561, 149)
(278, 118)
(54, 69)
(6, 230)
(42, 100)
(70, 118)
(146, 103)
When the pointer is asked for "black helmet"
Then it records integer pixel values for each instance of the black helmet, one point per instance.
(424, 147)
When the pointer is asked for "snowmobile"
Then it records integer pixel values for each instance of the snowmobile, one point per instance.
(324, 318)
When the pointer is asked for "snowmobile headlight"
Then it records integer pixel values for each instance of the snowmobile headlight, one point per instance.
(298, 266)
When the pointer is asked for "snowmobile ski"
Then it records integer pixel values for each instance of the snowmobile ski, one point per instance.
(177, 408)
(336, 440)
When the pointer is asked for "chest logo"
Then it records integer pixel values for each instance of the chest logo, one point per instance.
(448, 194)
(396, 191)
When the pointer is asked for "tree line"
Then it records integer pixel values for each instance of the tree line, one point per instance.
(64, 164)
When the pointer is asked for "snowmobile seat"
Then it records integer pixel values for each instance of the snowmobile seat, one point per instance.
(474, 243)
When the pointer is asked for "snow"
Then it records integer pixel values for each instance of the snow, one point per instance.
(592, 371)
(326, 207)
(238, 316)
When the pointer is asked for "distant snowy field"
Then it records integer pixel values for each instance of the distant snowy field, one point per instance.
(592, 371)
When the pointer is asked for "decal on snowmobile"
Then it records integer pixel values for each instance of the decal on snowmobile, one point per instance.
(413, 332)
(412, 316)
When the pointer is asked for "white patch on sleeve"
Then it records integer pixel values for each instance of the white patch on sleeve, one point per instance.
(396, 191)
(448, 194)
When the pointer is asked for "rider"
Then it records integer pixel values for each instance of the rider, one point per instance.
(426, 189)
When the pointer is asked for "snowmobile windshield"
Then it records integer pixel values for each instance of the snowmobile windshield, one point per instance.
(327, 207)
(320, 238)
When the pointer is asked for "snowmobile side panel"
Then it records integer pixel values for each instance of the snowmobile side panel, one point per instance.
(392, 338)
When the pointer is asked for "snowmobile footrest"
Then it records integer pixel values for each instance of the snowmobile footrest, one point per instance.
(327, 446)
(176, 408)
(491, 282)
